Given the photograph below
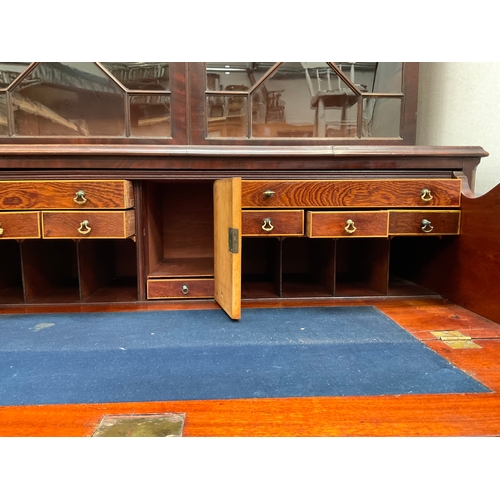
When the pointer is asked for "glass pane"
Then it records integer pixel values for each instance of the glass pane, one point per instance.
(304, 100)
(141, 75)
(68, 99)
(381, 77)
(10, 71)
(150, 115)
(4, 127)
(381, 117)
(227, 116)
(221, 75)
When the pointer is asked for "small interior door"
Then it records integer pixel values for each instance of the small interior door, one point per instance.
(227, 245)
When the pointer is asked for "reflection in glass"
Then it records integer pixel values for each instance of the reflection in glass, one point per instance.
(227, 116)
(10, 71)
(150, 115)
(221, 75)
(381, 117)
(4, 127)
(141, 75)
(68, 99)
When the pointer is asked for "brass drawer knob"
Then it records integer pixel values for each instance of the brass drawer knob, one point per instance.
(268, 193)
(185, 289)
(80, 197)
(1, 230)
(427, 226)
(84, 227)
(267, 226)
(426, 194)
(350, 227)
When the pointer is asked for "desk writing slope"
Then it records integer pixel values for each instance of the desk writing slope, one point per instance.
(227, 245)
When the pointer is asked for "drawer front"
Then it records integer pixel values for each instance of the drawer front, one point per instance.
(272, 223)
(80, 224)
(181, 289)
(353, 193)
(422, 222)
(346, 224)
(77, 195)
(19, 225)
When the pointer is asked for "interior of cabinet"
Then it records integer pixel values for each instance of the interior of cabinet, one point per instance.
(308, 267)
(410, 256)
(180, 229)
(362, 267)
(108, 270)
(11, 280)
(50, 271)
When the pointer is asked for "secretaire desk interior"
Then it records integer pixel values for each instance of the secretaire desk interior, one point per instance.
(136, 224)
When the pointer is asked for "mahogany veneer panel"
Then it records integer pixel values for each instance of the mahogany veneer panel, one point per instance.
(359, 193)
(285, 223)
(334, 224)
(410, 223)
(19, 225)
(59, 194)
(108, 224)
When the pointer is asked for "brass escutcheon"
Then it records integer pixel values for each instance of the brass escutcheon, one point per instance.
(267, 226)
(84, 227)
(426, 226)
(350, 227)
(426, 194)
(80, 197)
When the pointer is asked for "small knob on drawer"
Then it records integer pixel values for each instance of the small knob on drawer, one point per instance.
(426, 226)
(267, 226)
(1, 230)
(350, 227)
(80, 197)
(268, 193)
(426, 195)
(185, 289)
(84, 227)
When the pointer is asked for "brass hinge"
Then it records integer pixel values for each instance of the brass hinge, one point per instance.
(455, 339)
(233, 239)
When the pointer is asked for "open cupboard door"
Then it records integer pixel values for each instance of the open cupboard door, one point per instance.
(227, 245)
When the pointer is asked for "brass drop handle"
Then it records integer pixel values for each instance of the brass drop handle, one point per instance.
(84, 227)
(268, 193)
(267, 226)
(426, 194)
(80, 197)
(350, 227)
(185, 289)
(426, 226)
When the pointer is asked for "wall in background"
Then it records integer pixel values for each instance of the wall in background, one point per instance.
(459, 105)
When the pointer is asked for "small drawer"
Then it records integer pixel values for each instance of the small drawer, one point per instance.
(180, 289)
(95, 224)
(376, 193)
(422, 222)
(347, 224)
(272, 223)
(19, 225)
(79, 195)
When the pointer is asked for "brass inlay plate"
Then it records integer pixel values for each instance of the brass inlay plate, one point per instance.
(455, 339)
(153, 425)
